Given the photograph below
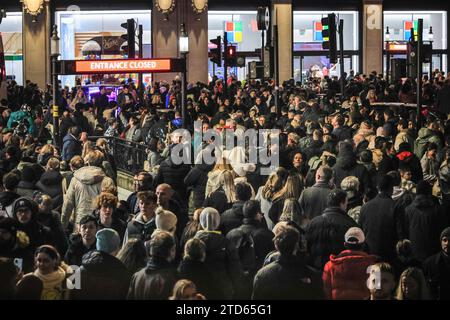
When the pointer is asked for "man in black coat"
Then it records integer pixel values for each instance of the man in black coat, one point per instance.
(232, 218)
(443, 98)
(424, 221)
(382, 221)
(313, 200)
(83, 242)
(197, 179)
(288, 277)
(71, 144)
(437, 269)
(156, 280)
(346, 165)
(103, 276)
(80, 120)
(325, 232)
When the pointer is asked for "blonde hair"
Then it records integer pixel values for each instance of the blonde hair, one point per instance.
(53, 164)
(93, 158)
(292, 189)
(180, 287)
(274, 183)
(222, 164)
(87, 147)
(226, 181)
(47, 149)
(76, 162)
(417, 275)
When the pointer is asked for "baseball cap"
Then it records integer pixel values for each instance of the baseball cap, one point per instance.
(355, 235)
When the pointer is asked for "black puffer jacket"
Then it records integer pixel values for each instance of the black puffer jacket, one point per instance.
(222, 261)
(197, 179)
(154, 282)
(52, 220)
(173, 174)
(198, 273)
(325, 235)
(76, 250)
(424, 223)
(51, 185)
(232, 218)
(287, 278)
(346, 165)
(103, 277)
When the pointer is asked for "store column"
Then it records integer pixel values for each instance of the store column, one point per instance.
(36, 47)
(165, 34)
(372, 36)
(283, 20)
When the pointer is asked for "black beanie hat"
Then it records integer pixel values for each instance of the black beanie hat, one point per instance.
(424, 188)
(445, 233)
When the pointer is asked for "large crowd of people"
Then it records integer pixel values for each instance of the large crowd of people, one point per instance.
(358, 207)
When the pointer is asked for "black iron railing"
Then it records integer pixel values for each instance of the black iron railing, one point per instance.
(129, 156)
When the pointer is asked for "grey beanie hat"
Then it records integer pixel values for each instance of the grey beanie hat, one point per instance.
(445, 233)
(108, 240)
(210, 219)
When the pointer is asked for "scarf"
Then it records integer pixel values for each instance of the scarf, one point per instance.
(52, 284)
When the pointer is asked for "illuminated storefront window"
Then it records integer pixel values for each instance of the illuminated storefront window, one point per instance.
(307, 37)
(11, 30)
(97, 34)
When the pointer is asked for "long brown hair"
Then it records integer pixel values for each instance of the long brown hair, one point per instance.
(274, 183)
(292, 189)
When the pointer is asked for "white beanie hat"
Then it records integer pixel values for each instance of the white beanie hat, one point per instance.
(165, 220)
(210, 219)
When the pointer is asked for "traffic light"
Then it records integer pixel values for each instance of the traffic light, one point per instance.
(411, 59)
(329, 38)
(230, 56)
(130, 38)
(216, 54)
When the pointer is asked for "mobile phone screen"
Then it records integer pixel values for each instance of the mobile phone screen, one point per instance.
(19, 263)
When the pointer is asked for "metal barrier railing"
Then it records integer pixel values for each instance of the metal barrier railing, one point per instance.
(129, 156)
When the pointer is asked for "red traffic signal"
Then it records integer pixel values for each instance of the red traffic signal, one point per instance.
(230, 56)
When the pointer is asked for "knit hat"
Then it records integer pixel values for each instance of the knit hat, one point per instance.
(165, 220)
(424, 188)
(108, 240)
(354, 235)
(210, 219)
(8, 224)
(445, 233)
(24, 203)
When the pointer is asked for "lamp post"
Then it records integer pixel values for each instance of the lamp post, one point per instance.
(431, 38)
(54, 50)
(184, 50)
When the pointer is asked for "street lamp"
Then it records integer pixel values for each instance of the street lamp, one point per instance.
(387, 36)
(54, 50)
(184, 50)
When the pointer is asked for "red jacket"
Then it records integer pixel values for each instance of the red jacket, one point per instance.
(345, 275)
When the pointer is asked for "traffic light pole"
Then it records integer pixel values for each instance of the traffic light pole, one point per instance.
(341, 48)
(419, 72)
(225, 65)
(141, 55)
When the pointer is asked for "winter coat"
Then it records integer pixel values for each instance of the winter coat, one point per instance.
(437, 273)
(276, 210)
(266, 204)
(103, 277)
(26, 189)
(116, 224)
(382, 223)
(287, 279)
(7, 199)
(345, 275)
(197, 179)
(19, 116)
(325, 235)
(314, 200)
(173, 174)
(404, 136)
(345, 166)
(198, 273)
(154, 282)
(425, 136)
(76, 250)
(221, 260)
(430, 169)
(52, 221)
(51, 185)
(71, 147)
(424, 222)
(137, 228)
(232, 218)
(86, 184)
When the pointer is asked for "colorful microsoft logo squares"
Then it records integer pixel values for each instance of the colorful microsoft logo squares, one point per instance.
(317, 31)
(234, 31)
(407, 25)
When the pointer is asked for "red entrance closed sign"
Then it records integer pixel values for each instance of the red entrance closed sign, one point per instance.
(130, 66)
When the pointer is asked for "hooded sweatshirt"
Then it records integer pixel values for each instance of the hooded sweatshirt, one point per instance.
(86, 184)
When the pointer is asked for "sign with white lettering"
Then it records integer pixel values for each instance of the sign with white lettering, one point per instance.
(123, 66)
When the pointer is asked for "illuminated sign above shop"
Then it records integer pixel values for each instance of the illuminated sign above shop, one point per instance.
(125, 66)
